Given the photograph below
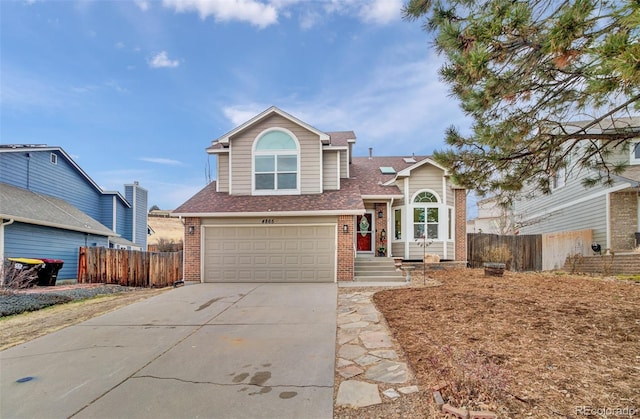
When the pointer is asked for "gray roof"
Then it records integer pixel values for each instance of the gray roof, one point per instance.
(29, 207)
(123, 242)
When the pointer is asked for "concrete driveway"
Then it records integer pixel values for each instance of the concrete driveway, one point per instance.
(203, 350)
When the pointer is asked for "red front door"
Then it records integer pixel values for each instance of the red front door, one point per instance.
(364, 236)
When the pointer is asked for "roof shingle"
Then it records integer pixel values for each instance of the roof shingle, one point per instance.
(208, 201)
(33, 208)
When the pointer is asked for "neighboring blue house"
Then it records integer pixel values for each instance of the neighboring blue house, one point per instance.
(49, 208)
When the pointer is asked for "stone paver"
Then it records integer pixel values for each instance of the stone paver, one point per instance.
(366, 355)
(375, 340)
(388, 372)
(357, 394)
(351, 351)
(350, 371)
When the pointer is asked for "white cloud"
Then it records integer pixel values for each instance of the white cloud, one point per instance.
(242, 113)
(400, 108)
(381, 11)
(252, 11)
(119, 45)
(160, 160)
(309, 19)
(142, 4)
(161, 60)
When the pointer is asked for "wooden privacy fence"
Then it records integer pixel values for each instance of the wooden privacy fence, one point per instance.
(525, 250)
(131, 268)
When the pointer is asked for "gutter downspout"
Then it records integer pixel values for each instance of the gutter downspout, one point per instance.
(390, 232)
(2, 224)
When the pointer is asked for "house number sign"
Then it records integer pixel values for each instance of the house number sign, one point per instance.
(268, 221)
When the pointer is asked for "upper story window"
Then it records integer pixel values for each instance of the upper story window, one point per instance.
(635, 152)
(276, 162)
(426, 214)
(558, 179)
(53, 158)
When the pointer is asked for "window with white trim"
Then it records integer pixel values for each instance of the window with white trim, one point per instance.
(275, 163)
(635, 152)
(558, 178)
(397, 224)
(426, 210)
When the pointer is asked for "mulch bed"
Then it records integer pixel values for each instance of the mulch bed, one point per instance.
(523, 345)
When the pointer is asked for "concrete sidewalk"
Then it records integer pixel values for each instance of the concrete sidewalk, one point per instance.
(204, 350)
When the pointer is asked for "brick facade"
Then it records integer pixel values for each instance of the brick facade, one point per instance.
(461, 224)
(623, 212)
(192, 249)
(346, 255)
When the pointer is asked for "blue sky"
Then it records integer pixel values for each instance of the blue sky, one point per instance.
(137, 90)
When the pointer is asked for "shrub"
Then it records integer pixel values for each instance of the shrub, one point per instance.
(498, 254)
(575, 262)
(13, 278)
(471, 377)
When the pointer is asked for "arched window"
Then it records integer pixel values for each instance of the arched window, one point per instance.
(275, 162)
(426, 216)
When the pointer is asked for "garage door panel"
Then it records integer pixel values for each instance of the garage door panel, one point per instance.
(269, 253)
(307, 245)
(259, 261)
(323, 245)
(276, 260)
(276, 245)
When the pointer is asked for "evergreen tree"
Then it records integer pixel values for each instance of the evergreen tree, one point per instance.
(523, 70)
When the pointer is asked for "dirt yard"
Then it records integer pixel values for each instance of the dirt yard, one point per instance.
(523, 345)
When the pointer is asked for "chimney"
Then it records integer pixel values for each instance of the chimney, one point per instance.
(370, 153)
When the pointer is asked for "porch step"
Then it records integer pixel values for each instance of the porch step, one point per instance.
(372, 269)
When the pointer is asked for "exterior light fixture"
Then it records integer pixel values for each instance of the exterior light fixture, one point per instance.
(380, 214)
(345, 228)
(383, 235)
(191, 229)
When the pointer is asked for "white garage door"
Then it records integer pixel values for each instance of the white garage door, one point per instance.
(274, 253)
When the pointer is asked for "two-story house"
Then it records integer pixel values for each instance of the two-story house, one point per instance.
(49, 208)
(292, 204)
(610, 211)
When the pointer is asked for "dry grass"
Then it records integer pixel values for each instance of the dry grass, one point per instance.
(168, 228)
(557, 342)
(24, 327)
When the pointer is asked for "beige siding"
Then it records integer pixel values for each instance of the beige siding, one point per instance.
(397, 249)
(426, 177)
(344, 164)
(330, 170)
(417, 252)
(276, 220)
(223, 172)
(241, 150)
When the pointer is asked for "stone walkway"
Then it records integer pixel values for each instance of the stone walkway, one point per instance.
(366, 357)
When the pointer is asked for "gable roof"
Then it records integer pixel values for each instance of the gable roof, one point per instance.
(342, 138)
(17, 148)
(210, 203)
(324, 137)
(373, 182)
(29, 207)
